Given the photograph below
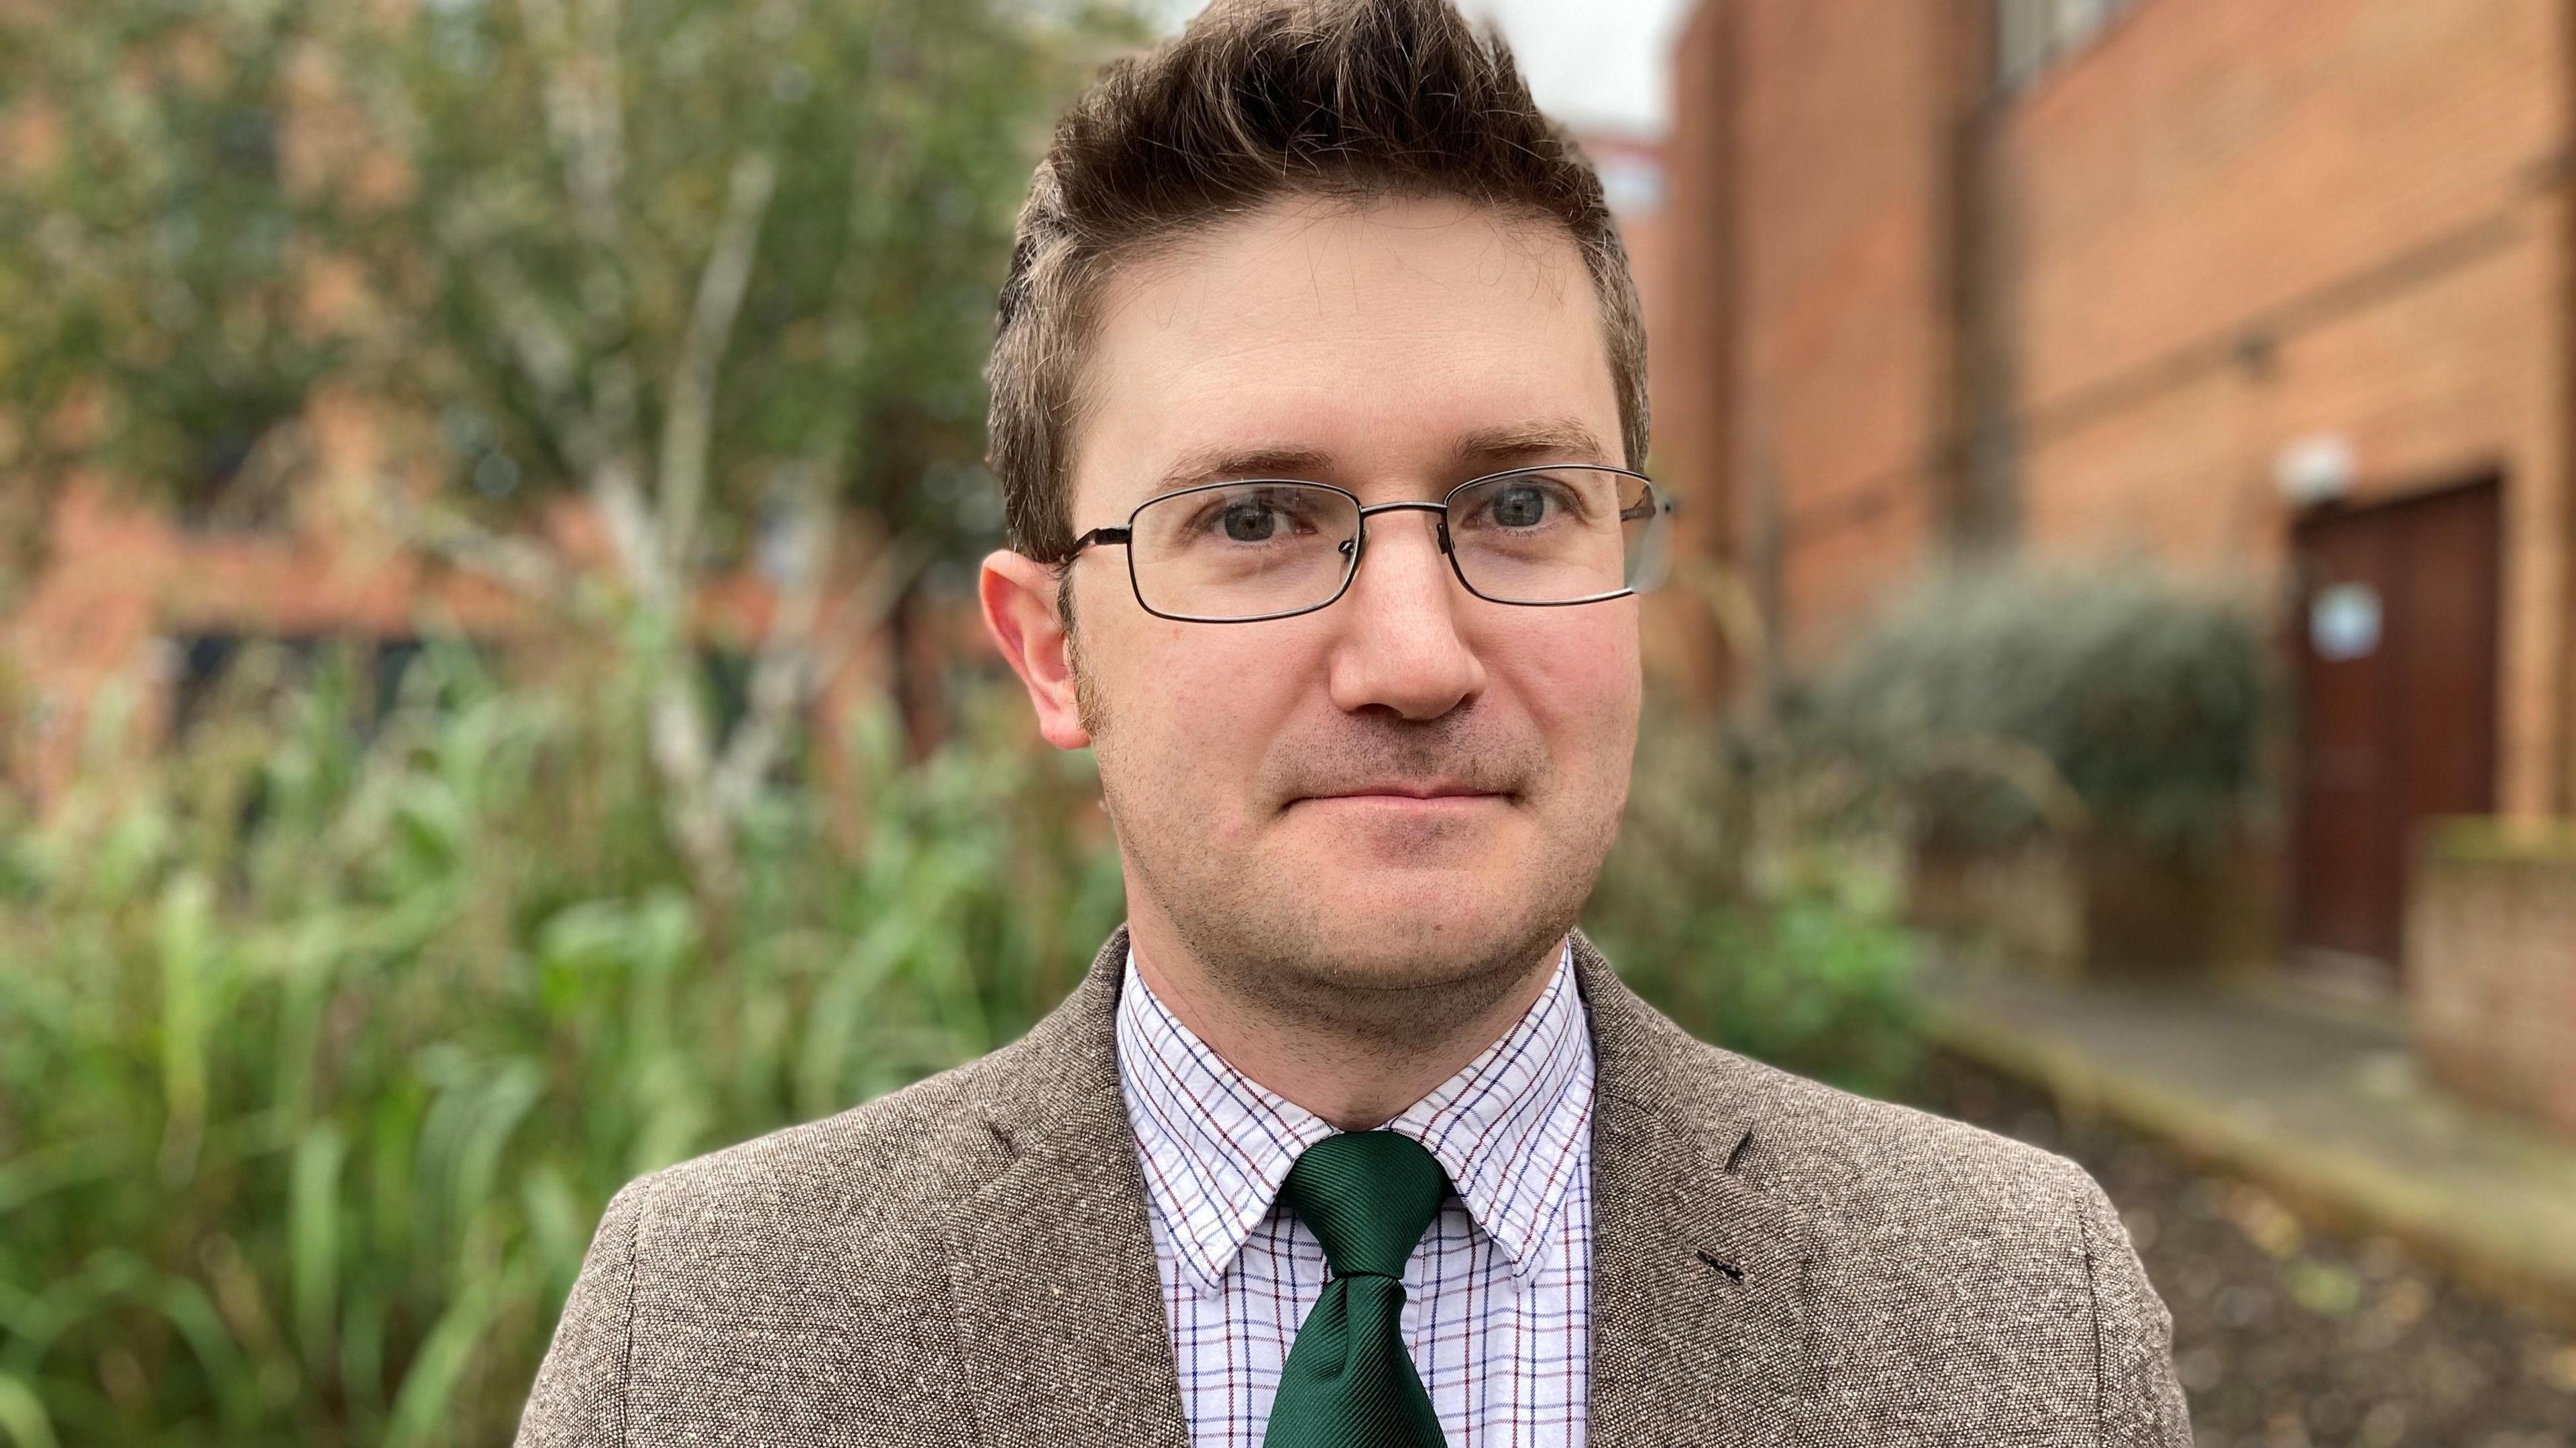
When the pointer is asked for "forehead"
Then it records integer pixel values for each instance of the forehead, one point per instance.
(1387, 347)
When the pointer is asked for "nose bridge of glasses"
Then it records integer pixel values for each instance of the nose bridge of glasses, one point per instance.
(1438, 511)
(1376, 575)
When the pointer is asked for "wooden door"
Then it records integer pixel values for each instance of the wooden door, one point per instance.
(2396, 678)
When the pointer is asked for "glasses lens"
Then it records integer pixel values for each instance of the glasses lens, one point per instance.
(1244, 550)
(1556, 535)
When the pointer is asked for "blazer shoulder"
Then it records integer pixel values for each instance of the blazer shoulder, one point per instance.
(901, 1157)
(1845, 1155)
(1996, 1247)
(1830, 1152)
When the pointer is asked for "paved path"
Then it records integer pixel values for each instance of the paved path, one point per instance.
(2324, 1105)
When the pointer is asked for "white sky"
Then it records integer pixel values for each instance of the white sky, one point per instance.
(1592, 63)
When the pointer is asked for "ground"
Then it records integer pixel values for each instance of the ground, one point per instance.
(2286, 1336)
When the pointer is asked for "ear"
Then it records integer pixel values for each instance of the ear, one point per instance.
(1019, 597)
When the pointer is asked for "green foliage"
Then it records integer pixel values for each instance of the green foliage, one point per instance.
(321, 1050)
(145, 244)
(501, 217)
(1990, 689)
(1749, 898)
(323, 1040)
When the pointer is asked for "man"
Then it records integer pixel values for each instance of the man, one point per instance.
(1316, 392)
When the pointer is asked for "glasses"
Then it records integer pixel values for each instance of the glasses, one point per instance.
(1242, 552)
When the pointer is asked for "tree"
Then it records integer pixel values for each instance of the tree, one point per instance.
(724, 269)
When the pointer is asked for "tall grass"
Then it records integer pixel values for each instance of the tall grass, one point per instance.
(322, 1046)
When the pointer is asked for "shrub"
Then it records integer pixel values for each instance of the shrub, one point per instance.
(320, 1051)
(1988, 692)
(1753, 896)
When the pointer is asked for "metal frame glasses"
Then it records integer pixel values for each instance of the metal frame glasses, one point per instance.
(1639, 560)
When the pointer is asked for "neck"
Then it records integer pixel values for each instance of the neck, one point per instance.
(1337, 1067)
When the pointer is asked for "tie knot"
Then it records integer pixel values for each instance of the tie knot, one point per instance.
(1367, 1196)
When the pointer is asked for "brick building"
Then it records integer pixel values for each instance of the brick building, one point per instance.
(136, 609)
(1684, 647)
(2283, 293)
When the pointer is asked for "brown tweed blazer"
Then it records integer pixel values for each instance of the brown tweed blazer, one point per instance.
(966, 1262)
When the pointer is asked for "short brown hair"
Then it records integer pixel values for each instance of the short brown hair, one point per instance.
(1257, 100)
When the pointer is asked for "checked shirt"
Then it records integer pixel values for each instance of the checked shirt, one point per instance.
(1497, 1311)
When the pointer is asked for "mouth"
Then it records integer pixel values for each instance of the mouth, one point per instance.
(1402, 794)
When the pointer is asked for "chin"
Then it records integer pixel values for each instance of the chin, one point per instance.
(1407, 938)
(1403, 899)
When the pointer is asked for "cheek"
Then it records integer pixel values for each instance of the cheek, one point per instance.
(1579, 679)
(1197, 705)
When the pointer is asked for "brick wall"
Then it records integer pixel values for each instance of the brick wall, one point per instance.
(2213, 230)
(98, 633)
(2491, 988)
(2233, 226)
(1690, 364)
(2088, 315)
(1690, 338)
(1683, 653)
(1837, 168)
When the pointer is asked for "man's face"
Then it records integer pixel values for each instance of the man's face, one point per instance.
(1412, 785)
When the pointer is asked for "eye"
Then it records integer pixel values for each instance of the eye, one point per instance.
(1256, 516)
(1251, 522)
(1520, 505)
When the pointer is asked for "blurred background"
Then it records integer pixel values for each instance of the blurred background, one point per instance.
(490, 702)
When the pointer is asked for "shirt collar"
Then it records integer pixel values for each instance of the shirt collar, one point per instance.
(1511, 1129)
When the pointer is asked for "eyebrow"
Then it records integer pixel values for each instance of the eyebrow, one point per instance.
(1562, 439)
(1488, 449)
(1220, 464)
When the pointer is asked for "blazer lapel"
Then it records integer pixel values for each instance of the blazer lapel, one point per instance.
(1698, 1274)
(1058, 1299)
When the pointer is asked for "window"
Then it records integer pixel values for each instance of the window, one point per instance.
(2032, 35)
(218, 670)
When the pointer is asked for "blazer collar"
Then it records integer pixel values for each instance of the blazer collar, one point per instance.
(1698, 1273)
(1051, 1263)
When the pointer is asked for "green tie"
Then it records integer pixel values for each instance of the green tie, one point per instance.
(1367, 1196)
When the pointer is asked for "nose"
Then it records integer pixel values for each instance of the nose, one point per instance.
(1400, 649)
